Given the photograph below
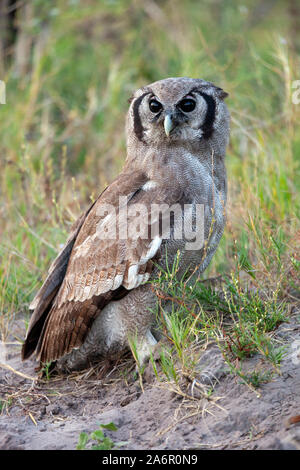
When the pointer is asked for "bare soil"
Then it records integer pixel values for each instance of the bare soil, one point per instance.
(50, 414)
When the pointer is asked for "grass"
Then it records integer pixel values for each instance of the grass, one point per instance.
(239, 319)
(62, 141)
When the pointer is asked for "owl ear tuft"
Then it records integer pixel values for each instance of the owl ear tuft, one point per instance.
(221, 93)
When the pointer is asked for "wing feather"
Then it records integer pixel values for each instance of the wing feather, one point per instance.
(42, 302)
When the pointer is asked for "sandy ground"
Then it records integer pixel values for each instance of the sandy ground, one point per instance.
(50, 414)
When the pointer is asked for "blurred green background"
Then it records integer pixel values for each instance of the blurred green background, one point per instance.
(70, 67)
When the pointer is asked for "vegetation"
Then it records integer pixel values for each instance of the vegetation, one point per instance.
(69, 70)
(238, 319)
(102, 441)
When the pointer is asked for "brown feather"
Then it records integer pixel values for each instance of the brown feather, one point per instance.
(42, 301)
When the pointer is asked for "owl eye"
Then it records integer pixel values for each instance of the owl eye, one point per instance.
(187, 105)
(155, 106)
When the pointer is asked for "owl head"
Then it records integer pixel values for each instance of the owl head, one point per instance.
(178, 111)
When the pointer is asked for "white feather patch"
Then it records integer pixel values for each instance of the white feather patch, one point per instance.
(34, 303)
(117, 281)
(86, 291)
(149, 185)
(132, 276)
(153, 247)
(82, 250)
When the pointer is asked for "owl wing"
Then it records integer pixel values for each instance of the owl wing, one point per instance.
(42, 302)
(103, 264)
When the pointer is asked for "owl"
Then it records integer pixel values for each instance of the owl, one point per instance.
(168, 201)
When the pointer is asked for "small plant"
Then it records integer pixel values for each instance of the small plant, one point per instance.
(238, 344)
(46, 370)
(168, 365)
(5, 404)
(256, 377)
(102, 442)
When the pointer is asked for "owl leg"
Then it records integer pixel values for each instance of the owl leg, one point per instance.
(90, 351)
(144, 348)
(81, 358)
(129, 317)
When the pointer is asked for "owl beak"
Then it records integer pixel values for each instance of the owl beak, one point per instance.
(168, 124)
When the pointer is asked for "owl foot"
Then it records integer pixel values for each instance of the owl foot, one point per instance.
(144, 350)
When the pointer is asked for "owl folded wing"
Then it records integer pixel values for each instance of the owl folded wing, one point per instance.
(110, 251)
